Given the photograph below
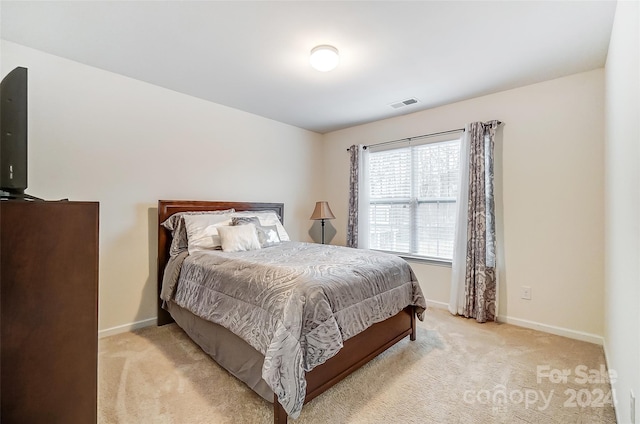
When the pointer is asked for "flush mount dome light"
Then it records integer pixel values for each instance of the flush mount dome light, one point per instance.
(324, 58)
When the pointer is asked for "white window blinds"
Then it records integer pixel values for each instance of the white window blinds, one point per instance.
(412, 203)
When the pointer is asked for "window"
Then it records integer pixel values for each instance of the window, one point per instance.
(412, 199)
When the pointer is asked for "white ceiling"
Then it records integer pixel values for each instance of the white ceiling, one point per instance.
(253, 56)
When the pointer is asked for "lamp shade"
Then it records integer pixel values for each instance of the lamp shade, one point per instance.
(322, 211)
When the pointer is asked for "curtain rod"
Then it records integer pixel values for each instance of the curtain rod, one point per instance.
(413, 138)
(417, 137)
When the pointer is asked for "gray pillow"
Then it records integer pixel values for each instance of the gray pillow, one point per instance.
(242, 220)
(267, 234)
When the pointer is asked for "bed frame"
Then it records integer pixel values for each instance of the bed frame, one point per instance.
(356, 352)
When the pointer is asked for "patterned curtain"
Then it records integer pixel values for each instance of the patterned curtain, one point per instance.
(473, 288)
(354, 185)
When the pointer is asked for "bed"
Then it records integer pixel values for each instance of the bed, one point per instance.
(245, 357)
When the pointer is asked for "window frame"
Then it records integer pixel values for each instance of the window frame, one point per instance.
(414, 201)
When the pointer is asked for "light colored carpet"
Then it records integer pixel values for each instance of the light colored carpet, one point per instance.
(457, 371)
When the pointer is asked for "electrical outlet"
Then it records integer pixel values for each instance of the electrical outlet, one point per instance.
(632, 407)
(526, 293)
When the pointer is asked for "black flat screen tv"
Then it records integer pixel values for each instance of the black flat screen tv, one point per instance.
(13, 133)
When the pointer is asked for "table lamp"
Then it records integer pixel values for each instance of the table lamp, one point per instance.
(322, 212)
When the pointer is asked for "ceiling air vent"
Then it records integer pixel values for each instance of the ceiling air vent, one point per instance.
(403, 103)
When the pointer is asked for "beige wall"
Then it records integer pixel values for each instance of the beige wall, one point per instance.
(95, 135)
(550, 197)
(622, 177)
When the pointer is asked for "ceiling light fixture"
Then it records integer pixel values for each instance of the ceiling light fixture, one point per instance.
(324, 58)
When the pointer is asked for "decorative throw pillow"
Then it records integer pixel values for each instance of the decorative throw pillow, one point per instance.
(175, 223)
(239, 238)
(266, 218)
(243, 220)
(202, 231)
(267, 235)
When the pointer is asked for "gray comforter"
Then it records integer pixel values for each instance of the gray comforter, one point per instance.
(296, 303)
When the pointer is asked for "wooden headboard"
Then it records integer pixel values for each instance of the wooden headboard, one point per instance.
(166, 208)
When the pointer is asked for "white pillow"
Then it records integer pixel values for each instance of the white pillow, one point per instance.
(175, 223)
(239, 238)
(266, 218)
(202, 231)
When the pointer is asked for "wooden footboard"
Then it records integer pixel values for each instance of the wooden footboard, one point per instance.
(356, 352)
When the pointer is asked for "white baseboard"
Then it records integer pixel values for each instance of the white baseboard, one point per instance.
(437, 305)
(127, 327)
(552, 329)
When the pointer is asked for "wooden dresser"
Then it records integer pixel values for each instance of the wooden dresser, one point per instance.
(48, 312)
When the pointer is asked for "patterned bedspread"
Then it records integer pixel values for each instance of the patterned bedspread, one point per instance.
(296, 302)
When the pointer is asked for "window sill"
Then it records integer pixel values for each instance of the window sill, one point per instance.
(421, 259)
